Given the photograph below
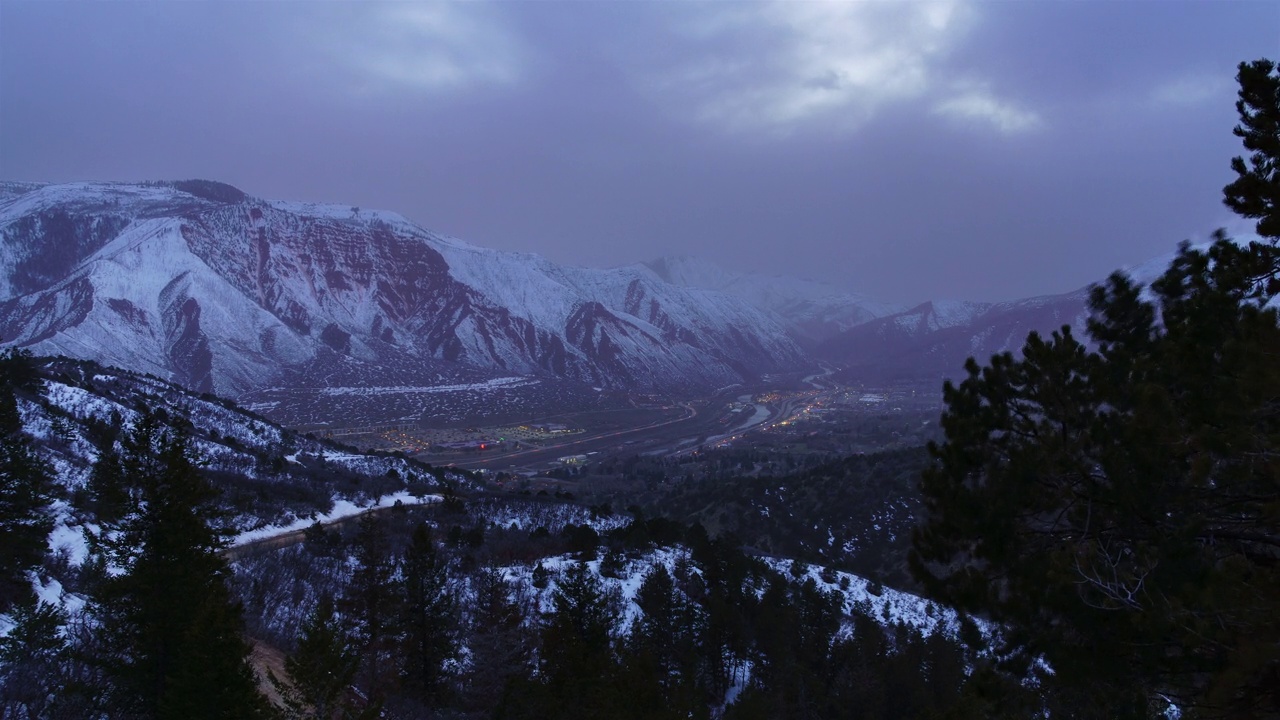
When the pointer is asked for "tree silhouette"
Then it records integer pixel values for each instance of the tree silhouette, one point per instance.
(173, 634)
(427, 623)
(1255, 193)
(319, 673)
(1116, 507)
(26, 487)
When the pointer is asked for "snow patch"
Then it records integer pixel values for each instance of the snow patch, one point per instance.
(69, 540)
(341, 509)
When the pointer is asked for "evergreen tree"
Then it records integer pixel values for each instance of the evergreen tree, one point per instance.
(1117, 507)
(167, 619)
(319, 673)
(577, 640)
(794, 626)
(31, 661)
(501, 647)
(725, 639)
(540, 577)
(577, 674)
(108, 488)
(857, 678)
(426, 633)
(664, 644)
(25, 485)
(1255, 193)
(369, 605)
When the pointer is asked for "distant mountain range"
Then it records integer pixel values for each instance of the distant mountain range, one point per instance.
(933, 339)
(874, 342)
(199, 283)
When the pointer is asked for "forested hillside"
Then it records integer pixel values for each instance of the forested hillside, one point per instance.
(856, 513)
(134, 586)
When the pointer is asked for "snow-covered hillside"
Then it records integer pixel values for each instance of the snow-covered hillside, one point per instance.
(269, 476)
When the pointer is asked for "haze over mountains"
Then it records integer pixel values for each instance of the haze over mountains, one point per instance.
(813, 311)
(222, 292)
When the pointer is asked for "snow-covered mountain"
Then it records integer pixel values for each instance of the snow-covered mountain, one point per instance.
(933, 339)
(815, 311)
(878, 342)
(197, 282)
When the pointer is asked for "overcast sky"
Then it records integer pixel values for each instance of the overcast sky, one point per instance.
(905, 150)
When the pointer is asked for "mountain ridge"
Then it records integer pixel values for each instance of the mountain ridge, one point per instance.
(200, 283)
(222, 291)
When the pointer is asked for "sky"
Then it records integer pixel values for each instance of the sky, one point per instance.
(902, 150)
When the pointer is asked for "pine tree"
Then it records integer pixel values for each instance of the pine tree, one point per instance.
(1117, 507)
(858, 678)
(26, 487)
(426, 633)
(579, 632)
(794, 626)
(369, 605)
(319, 673)
(577, 674)
(540, 577)
(664, 643)
(501, 646)
(725, 638)
(167, 619)
(1255, 193)
(108, 491)
(32, 656)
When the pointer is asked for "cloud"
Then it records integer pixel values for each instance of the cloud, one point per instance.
(1193, 90)
(428, 47)
(775, 65)
(978, 104)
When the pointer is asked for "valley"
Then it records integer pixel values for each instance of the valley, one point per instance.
(312, 519)
(362, 425)
(785, 417)
(639, 361)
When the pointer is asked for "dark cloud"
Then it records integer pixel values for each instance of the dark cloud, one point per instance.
(912, 150)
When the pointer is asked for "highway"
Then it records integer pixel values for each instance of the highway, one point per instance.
(673, 437)
(545, 454)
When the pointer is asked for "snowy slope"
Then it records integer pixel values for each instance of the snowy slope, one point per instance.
(82, 401)
(271, 481)
(886, 605)
(224, 292)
